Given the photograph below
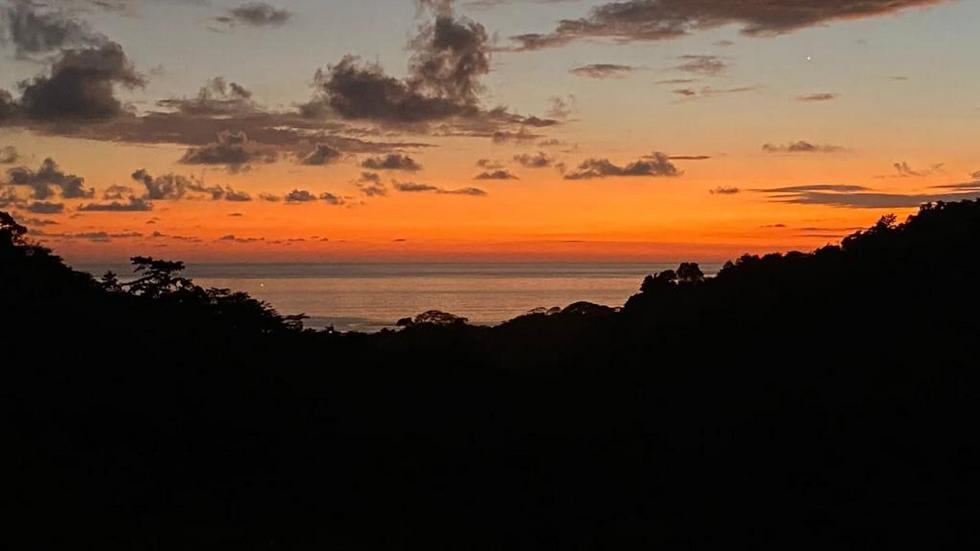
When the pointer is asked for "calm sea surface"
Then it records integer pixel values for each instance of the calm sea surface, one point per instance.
(369, 297)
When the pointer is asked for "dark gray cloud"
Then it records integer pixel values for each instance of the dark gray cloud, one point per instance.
(603, 70)
(270, 197)
(255, 14)
(707, 65)
(689, 157)
(656, 164)
(8, 155)
(725, 190)
(651, 20)
(49, 180)
(322, 154)
(561, 108)
(489, 164)
(133, 204)
(450, 56)
(539, 160)
(173, 187)
(80, 86)
(412, 187)
(370, 184)
(232, 150)
(217, 97)
(300, 196)
(708, 91)
(117, 192)
(801, 147)
(854, 196)
(501, 174)
(45, 207)
(905, 171)
(393, 161)
(823, 96)
(332, 199)
(35, 29)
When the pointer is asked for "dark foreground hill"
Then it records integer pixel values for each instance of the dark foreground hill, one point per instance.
(821, 400)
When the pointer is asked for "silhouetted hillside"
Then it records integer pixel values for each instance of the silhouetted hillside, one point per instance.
(820, 400)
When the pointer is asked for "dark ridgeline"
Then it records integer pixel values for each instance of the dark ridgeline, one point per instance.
(825, 400)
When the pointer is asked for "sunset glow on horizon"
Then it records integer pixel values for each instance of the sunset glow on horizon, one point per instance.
(488, 130)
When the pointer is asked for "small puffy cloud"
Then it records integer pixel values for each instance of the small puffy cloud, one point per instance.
(501, 174)
(49, 180)
(393, 161)
(232, 150)
(255, 14)
(370, 184)
(657, 164)
(300, 196)
(706, 65)
(322, 154)
(724, 190)
(540, 160)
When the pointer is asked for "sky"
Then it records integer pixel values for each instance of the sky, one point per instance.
(480, 130)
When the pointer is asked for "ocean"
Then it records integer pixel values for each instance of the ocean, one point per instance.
(369, 297)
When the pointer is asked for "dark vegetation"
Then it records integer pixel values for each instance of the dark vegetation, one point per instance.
(826, 400)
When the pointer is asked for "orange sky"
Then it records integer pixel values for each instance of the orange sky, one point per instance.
(871, 113)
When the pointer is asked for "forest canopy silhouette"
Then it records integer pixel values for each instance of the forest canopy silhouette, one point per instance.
(811, 400)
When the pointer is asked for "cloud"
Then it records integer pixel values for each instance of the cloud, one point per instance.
(392, 161)
(331, 199)
(172, 187)
(561, 108)
(501, 174)
(370, 184)
(232, 150)
(134, 204)
(854, 196)
(602, 70)
(44, 207)
(707, 65)
(300, 196)
(488, 164)
(217, 97)
(272, 198)
(656, 164)
(801, 147)
(255, 14)
(689, 157)
(905, 171)
(725, 190)
(38, 222)
(32, 31)
(412, 187)
(80, 86)
(652, 20)
(825, 96)
(708, 91)
(8, 155)
(47, 179)
(322, 154)
(449, 58)
(117, 192)
(540, 160)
